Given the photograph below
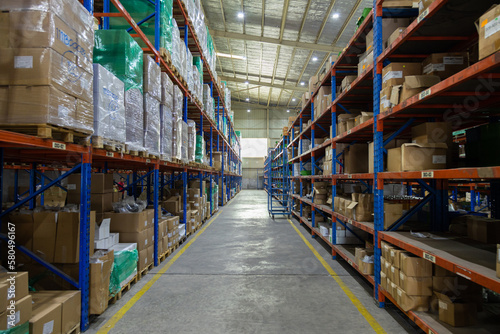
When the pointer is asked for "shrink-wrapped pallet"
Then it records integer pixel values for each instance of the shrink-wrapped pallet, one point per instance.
(151, 124)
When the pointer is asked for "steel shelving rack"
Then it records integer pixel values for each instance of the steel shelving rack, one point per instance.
(429, 106)
(278, 180)
(37, 155)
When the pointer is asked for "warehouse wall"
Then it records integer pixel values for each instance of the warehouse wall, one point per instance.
(258, 123)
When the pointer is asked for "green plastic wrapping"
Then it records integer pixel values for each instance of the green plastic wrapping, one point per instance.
(364, 14)
(121, 55)
(124, 265)
(199, 65)
(19, 329)
(200, 149)
(142, 9)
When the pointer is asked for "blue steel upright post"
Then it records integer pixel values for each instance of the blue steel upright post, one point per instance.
(378, 147)
(334, 155)
(156, 187)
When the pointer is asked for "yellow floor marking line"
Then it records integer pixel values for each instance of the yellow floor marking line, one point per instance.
(364, 312)
(118, 315)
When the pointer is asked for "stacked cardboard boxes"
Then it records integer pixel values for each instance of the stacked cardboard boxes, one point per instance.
(15, 302)
(46, 54)
(364, 260)
(56, 310)
(327, 162)
(171, 239)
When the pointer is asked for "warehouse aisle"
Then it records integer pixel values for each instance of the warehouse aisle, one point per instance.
(246, 273)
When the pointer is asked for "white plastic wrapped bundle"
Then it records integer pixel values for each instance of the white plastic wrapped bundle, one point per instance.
(109, 106)
(178, 100)
(189, 68)
(191, 140)
(175, 56)
(166, 132)
(184, 137)
(207, 95)
(228, 99)
(183, 60)
(134, 116)
(167, 89)
(176, 135)
(152, 78)
(151, 124)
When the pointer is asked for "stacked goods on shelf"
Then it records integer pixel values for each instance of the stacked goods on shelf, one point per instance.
(16, 308)
(152, 98)
(56, 310)
(177, 123)
(365, 260)
(166, 118)
(200, 149)
(191, 139)
(109, 107)
(117, 51)
(172, 238)
(36, 86)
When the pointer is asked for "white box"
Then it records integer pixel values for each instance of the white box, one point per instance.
(102, 243)
(324, 231)
(114, 239)
(102, 231)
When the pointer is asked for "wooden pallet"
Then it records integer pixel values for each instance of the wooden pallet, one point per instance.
(163, 256)
(124, 289)
(165, 54)
(74, 330)
(108, 144)
(144, 271)
(176, 161)
(48, 131)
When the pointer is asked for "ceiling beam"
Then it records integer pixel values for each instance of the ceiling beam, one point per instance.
(263, 84)
(275, 41)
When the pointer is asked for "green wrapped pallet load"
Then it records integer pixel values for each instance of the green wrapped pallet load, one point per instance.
(19, 329)
(124, 266)
(117, 51)
(141, 10)
(200, 149)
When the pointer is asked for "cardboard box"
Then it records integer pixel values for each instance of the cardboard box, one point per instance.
(140, 238)
(416, 157)
(313, 83)
(432, 132)
(3, 297)
(395, 35)
(46, 317)
(456, 312)
(128, 222)
(395, 257)
(415, 266)
(151, 254)
(392, 212)
(394, 275)
(413, 85)
(346, 82)
(100, 184)
(445, 65)
(484, 230)
(70, 302)
(489, 34)
(394, 73)
(412, 303)
(100, 273)
(423, 5)
(17, 313)
(102, 229)
(386, 248)
(101, 202)
(17, 288)
(142, 262)
(365, 61)
(67, 247)
(356, 159)
(383, 280)
(416, 286)
(44, 235)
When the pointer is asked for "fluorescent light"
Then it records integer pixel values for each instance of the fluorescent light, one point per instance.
(335, 15)
(248, 110)
(241, 15)
(293, 100)
(247, 99)
(288, 110)
(302, 83)
(227, 55)
(315, 58)
(246, 82)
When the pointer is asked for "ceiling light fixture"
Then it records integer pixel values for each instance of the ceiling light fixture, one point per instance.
(302, 83)
(293, 100)
(288, 110)
(241, 15)
(315, 58)
(335, 15)
(248, 110)
(247, 99)
(246, 82)
(227, 55)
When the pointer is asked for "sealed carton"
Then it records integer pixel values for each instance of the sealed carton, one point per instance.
(140, 238)
(416, 286)
(356, 159)
(445, 65)
(101, 202)
(67, 247)
(489, 32)
(456, 312)
(128, 222)
(346, 82)
(413, 85)
(44, 235)
(482, 229)
(392, 212)
(394, 73)
(411, 303)
(365, 61)
(416, 157)
(100, 184)
(70, 302)
(432, 132)
(19, 289)
(395, 35)
(100, 273)
(46, 317)
(17, 313)
(415, 266)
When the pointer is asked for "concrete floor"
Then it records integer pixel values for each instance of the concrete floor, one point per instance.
(247, 273)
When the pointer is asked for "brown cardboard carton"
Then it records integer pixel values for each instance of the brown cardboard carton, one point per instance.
(385, 99)
(456, 312)
(395, 35)
(392, 212)
(383, 280)
(165, 243)
(386, 248)
(142, 262)
(441, 272)
(414, 84)
(394, 275)
(445, 65)
(117, 196)
(139, 238)
(100, 273)
(416, 286)
(46, 317)
(128, 222)
(365, 61)
(151, 236)
(489, 34)
(437, 132)
(416, 157)
(16, 288)
(44, 235)
(364, 208)
(356, 159)
(484, 230)
(3, 297)
(423, 5)
(100, 184)
(67, 247)
(412, 303)
(70, 302)
(394, 160)
(415, 266)
(395, 254)
(394, 73)
(101, 202)
(313, 83)
(36, 105)
(347, 81)
(366, 268)
(17, 313)
(151, 254)
(382, 266)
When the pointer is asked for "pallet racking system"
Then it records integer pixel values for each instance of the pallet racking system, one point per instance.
(37, 155)
(278, 180)
(430, 105)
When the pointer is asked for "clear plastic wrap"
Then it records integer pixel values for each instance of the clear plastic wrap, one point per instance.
(152, 78)
(134, 116)
(184, 143)
(191, 140)
(167, 89)
(121, 55)
(151, 124)
(178, 100)
(124, 265)
(166, 132)
(176, 51)
(109, 106)
(176, 135)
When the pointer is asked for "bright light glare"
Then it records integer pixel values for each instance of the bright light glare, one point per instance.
(336, 15)
(241, 15)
